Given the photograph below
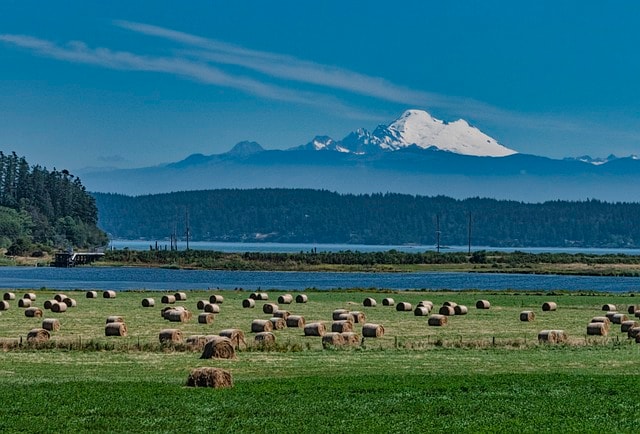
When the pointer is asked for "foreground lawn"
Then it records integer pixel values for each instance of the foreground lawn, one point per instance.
(483, 372)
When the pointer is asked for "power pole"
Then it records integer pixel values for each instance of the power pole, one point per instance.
(470, 221)
(438, 233)
(187, 222)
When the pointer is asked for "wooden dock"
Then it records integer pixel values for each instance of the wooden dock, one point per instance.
(67, 260)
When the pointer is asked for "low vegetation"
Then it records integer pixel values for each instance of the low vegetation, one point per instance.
(392, 260)
(483, 371)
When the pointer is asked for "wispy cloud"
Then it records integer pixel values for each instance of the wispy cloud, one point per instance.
(204, 60)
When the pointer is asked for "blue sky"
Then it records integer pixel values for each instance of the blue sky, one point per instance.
(129, 84)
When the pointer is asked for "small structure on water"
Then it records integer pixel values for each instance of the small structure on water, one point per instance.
(71, 259)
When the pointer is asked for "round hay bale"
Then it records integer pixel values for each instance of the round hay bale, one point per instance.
(48, 303)
(269, 308)
(637, 313)
(421, 311)
(261, 325)
(609, 307)
(201, 304)
(168, 299)
(351, 339)
(248, 303)
(483, 304)
(212, 308)
(24, 302)
(180, 296)
(114, 318)
(218, 347)
(236, 336)
(527, 315)
(358, 317)
(58, 307)
(335, 315)
(210, 377)
(196, 341)
(30, 295)
(91, 294)
(148, 302)
(284, 314)
(51, 324)
(597, 329)
(450, 303)
(170, 336)
(633, 332)
(610, 315)
(341, 326)
(460, 309)
(332, 340)
(552, 336)
(369, 302)
(216, 299)
(302, 298)
(315, 329)
(371, 330)
(177, 315)
(109, 294)
(265, 338)
(33, 312)
(9, 296)
(619, 318)
(600, 319)
(447, 310)
(285, 299)
(70, 302)
(425, 303)
(259, 296)
(295, 321)
(206, 318)
(437, 320)
(115, 329)
(4, 305)
(629, 324)
(388, 301)
(403, 306)
(59, 297)
(344, 317)
(278, 323)
(38, 335)
(549, 306)
(631, 310)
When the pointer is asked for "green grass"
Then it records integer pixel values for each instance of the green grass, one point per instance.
(483, 372)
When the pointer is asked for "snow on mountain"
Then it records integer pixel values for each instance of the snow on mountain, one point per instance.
(420, 128)
(416, 128)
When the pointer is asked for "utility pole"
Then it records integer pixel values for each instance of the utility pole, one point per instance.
(470, 221)
(187, 222)
(438, 233)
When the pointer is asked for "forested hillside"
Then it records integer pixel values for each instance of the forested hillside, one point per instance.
(41, 209)
(315, 216)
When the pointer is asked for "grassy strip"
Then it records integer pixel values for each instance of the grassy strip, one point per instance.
(371, 403)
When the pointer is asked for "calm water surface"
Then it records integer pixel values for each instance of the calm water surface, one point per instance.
(123, 278)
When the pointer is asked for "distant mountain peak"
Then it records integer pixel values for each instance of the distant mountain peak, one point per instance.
(415, 128)
(246, 148)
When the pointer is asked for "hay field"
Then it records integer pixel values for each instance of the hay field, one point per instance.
(484, 371)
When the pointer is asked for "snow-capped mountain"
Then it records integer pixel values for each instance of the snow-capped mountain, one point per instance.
(415, 128)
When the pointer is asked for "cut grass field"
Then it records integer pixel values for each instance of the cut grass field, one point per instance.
(484, 371)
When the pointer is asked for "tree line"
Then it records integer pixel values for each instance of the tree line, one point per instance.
(43, 210)
(319, 216)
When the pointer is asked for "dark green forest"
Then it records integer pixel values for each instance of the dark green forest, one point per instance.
(316, 216)
(43, 210)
